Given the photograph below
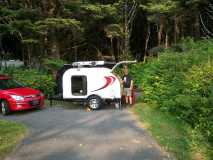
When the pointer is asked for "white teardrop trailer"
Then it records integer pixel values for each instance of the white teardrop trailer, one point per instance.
(91, 82)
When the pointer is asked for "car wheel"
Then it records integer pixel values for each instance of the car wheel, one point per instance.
(5, 107)
(94, 102)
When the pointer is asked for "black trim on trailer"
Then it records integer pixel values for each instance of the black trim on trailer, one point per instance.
(84, 100)
(60, 98)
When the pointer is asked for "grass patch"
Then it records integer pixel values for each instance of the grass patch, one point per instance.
(172, 134)
(10, 134)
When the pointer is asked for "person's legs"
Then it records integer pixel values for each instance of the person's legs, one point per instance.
(126, 95)
(130, 100)
(127, 99)
(129, 96)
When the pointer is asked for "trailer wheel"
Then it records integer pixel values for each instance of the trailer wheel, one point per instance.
(94, 102)
(5, 108)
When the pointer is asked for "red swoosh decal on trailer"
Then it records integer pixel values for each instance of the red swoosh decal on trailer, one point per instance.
(109, 81)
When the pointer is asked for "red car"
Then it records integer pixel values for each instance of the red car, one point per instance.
(16, 97)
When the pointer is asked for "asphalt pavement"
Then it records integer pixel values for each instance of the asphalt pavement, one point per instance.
(75, 134)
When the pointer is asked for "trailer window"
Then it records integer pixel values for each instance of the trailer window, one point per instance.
(79, 85)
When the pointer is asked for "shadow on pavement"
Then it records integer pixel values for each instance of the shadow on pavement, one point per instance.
(66, 106)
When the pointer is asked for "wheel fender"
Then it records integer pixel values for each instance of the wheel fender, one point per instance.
(89, 97)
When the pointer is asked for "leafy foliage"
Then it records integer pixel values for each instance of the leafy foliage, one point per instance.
(114, 30)
(53, 64)
(92, 29)
(58, 23)
(161, 6)
(182, 83)
(33, 78)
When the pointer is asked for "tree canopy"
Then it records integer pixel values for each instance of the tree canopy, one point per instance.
(94, 29)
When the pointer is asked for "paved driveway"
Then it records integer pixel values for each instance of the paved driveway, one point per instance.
(67, 134)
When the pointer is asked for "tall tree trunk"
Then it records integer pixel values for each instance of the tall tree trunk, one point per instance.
(176, 29)
(182, 30)
(126, 30)
(197, 26)
(100, 55)
(115, 48)
(54, 46)
(147, 43)
(160, 31)
(28, 4)
(167, 40)
(112, 47)
(118, 49)
(50, 7)
(55, 51)
(29, 56)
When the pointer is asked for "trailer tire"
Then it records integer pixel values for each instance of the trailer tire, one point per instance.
(94, 102)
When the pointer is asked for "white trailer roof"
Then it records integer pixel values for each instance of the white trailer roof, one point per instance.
(88, 63)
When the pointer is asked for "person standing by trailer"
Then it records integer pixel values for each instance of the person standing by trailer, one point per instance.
(127, 86)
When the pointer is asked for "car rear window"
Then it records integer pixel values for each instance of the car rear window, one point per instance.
(9, 84)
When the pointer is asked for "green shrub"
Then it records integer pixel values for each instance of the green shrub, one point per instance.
(33, 78)
(53, 64)
(182, 84)
(199, 83)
